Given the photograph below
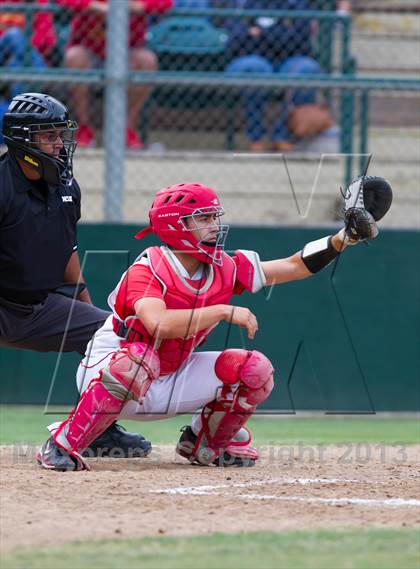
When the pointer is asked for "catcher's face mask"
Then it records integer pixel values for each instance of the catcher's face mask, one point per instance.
(47, 148)
(207, 231)
(186, 217)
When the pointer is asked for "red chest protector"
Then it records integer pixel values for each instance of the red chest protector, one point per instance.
(216, 287)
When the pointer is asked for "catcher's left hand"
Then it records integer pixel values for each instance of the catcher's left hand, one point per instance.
(367, 199)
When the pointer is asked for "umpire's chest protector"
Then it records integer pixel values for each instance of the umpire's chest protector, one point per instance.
(215, 287)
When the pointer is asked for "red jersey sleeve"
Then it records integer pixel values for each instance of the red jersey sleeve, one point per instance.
(156, 6)
(43, 35)
(150, 6)
(139, 282)
(74, 4)
(249, 272)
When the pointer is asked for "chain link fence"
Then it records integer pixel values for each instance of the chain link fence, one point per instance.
(274, 103)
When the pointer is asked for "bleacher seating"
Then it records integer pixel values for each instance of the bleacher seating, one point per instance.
(193, 45)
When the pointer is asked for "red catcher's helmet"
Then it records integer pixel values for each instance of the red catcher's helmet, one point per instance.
(168, 215)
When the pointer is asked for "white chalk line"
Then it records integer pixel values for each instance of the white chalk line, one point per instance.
(202, 490)
(335, 501)
(218, 490)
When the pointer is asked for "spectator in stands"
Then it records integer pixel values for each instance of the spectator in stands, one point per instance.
(86, 49)
(270, 45)
(13, 44)
(344, 6)
(12, 36)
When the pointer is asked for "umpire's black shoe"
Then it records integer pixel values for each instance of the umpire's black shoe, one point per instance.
(186, 444)
(52, 457)
(116, 442)
(227, 459)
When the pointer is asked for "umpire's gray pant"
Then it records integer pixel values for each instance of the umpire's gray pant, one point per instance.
(57, 324)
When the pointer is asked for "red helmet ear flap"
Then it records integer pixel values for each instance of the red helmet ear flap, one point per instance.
(144, 232)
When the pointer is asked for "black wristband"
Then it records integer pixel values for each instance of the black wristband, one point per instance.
(318, 254)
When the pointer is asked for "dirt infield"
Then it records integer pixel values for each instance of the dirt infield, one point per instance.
(291, 488)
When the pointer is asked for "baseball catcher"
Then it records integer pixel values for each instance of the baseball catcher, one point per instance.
(141, 364)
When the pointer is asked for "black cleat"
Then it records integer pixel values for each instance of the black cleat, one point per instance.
(186, 444)
(52, 457)
(116, 442)
(227, 459)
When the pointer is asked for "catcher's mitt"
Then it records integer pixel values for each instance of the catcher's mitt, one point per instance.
(371, 193)
(366, 200)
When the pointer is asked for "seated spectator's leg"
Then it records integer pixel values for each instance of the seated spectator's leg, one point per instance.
(141, 59)
(37, 62)
(4, 105)
(253, 99)
(12, 45)
(301, 65)
(296, 65)
(78, 57)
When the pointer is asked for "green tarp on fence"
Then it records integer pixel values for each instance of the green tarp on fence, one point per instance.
(345, 340)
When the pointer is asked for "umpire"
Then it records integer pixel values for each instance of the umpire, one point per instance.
(44, 304)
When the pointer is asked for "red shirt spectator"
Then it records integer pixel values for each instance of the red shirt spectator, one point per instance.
(89, 25)
(43, 31)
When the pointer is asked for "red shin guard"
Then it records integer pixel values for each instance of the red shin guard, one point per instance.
(222, 418)
(96, 411)
(128, 376)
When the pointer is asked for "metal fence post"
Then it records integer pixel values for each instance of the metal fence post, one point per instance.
(364, 127)
(347, 105)
(27, 54)
(116, 72)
